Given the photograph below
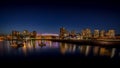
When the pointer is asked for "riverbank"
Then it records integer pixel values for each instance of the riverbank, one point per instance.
(107, 42)
(94, 42)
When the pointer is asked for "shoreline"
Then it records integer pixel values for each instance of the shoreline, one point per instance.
(99, 42)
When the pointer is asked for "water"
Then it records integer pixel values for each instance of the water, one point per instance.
(56, 51)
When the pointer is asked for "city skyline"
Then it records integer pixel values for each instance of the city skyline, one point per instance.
(49, 17)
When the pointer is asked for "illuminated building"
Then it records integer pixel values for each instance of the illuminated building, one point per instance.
(26, 33)
(111, 34)
(88, 33)
(72, 34)
(83, 33)
(102, 33)
(33, 34)
(63, 33)
(96, 33)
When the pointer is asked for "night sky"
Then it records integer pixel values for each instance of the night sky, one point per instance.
(49, 16)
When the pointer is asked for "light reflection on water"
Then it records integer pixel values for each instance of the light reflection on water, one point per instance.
(33, 47)
(87, 50)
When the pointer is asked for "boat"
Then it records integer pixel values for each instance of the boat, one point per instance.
(16, 44)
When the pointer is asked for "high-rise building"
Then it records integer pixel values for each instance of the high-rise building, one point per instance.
(34, 34)
(88, 33)
(83, 33)
(111, 33)
(102, 33)
(96, 33)
(72, 33)
(62, 32)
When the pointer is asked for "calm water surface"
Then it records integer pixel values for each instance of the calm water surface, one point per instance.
(57, 51)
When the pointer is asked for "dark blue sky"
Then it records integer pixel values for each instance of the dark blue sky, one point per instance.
(49, 16)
